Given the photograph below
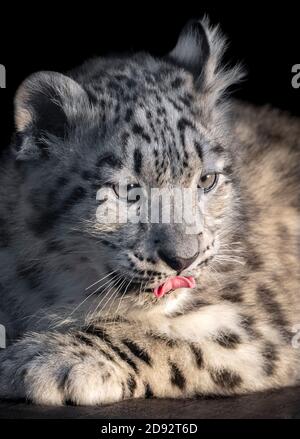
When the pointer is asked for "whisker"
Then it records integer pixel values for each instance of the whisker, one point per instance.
(116, 294)
(107, 290)
(110, 297)
(125, 291)
(95, 283)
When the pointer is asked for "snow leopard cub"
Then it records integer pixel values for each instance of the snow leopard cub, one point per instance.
(83, 324)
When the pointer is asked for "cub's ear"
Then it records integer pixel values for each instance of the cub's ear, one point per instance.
(192, 49)
(200, 50)
(47, 105)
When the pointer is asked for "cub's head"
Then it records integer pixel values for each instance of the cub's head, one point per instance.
(128, 161)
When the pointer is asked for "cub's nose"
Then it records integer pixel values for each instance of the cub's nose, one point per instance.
(175, 262)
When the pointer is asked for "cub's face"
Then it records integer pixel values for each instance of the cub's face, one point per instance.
(135, 159)
(166, 198)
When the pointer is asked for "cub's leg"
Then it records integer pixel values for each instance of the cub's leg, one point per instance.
(181, 357)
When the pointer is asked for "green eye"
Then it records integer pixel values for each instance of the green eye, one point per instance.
(208, 181)
(130, 191)
(132, 195)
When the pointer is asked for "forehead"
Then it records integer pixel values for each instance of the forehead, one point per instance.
(163, 155)
(152, 123)
(157, 141)
(138, 88)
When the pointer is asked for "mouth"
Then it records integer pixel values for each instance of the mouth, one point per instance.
(168, 286)
(174, 283)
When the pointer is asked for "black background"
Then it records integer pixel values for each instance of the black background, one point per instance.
(264, 36)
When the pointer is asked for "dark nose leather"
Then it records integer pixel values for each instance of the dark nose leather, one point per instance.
(175, 262)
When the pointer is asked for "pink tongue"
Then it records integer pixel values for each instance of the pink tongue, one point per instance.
(173, 283)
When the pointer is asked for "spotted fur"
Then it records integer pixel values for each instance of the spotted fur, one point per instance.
(77, 295)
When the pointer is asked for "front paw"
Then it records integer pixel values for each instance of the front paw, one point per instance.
(50, 374)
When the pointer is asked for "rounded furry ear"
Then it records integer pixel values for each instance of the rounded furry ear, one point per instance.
(46, 105)
(192, 49)
(200, 49)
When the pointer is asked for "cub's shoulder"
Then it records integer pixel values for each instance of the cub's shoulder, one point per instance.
(266, 126)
